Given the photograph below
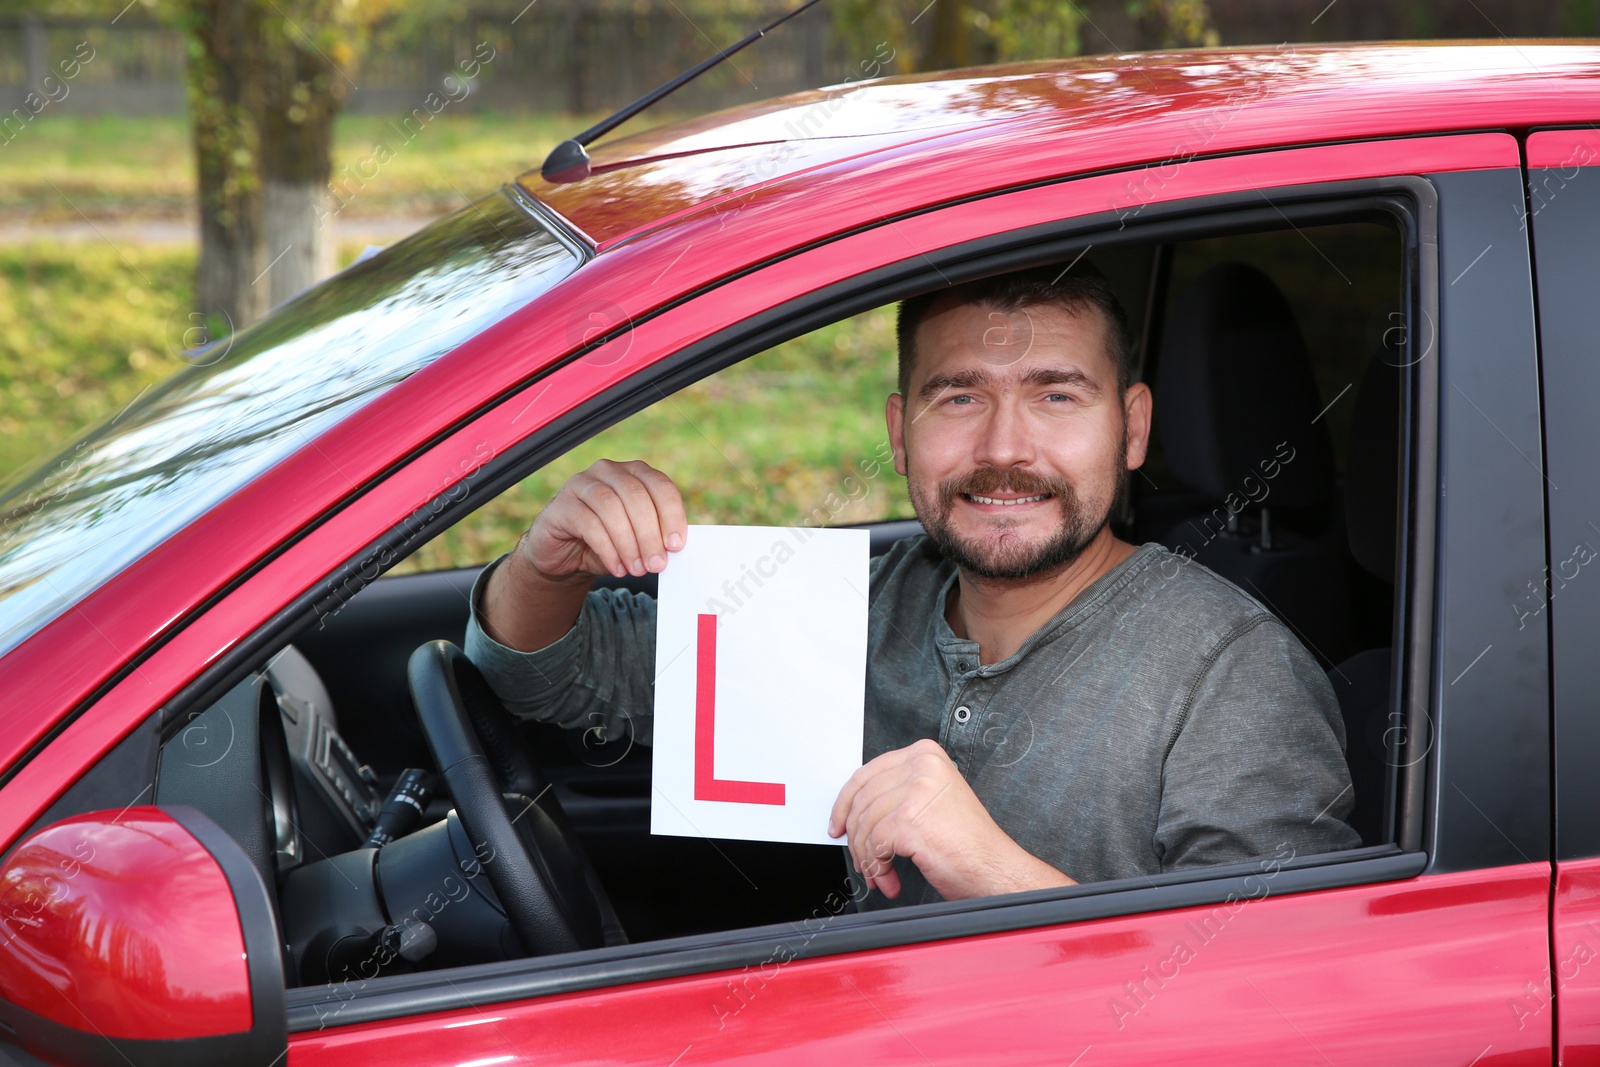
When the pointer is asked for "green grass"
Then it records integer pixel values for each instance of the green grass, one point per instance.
(83, 329)
(793, 435)
(119, 166)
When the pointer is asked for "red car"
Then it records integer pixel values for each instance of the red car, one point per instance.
(1387, 254)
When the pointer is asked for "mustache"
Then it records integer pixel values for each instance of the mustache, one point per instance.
(986, 481)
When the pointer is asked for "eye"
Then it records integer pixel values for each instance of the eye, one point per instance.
(1068, 397)
(959, 399)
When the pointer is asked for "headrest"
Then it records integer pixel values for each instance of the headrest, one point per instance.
(1236, 397)
(1372, 475)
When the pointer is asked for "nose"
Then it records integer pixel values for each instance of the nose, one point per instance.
(1004, 440)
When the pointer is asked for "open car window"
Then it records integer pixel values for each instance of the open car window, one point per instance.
(794, 435)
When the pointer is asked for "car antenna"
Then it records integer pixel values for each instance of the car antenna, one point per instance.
(568, 162)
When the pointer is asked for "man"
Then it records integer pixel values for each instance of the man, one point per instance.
(1045, 703)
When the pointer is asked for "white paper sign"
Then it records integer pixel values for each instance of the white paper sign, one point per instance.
(761, 666)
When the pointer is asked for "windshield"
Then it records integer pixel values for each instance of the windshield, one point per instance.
(249, 401)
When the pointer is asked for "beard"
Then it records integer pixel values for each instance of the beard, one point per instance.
(1003, 555)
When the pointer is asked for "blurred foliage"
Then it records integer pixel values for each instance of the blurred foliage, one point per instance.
(961, 32)
(924, 35)
(263, 80)
(952, 33)
(93, 9)
(1172, 23)
(310, 52)
(1581, 18)
(988, 30)
(1031, 29)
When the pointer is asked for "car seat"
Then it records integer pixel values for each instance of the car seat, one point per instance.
(1240, 421)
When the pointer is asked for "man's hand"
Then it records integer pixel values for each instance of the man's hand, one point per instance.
(614, 518)
(913, 802)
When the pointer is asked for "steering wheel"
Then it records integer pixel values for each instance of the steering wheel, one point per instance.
(538, 869)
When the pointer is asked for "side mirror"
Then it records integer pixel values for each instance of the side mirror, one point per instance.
(139, 937)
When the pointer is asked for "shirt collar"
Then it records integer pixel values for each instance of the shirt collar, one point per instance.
(1088, 601)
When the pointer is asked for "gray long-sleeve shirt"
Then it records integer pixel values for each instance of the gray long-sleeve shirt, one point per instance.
(1162, 720)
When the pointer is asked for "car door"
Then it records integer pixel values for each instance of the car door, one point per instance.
(1416, 951)
(1562, 216)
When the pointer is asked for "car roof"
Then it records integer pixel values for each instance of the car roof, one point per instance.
(1115, 111)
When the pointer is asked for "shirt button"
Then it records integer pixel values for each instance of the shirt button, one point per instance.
(963, 713)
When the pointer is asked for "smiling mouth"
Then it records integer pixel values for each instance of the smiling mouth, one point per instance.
(976, 499)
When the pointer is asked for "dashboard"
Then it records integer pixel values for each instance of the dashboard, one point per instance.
(267, 764)
(339, 795)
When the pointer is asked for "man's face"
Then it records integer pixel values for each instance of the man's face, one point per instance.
(1012, 437)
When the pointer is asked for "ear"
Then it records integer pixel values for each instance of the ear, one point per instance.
(894, 413)
(1136, 408)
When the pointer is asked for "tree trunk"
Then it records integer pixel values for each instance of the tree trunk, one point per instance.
(304, 89)
(301, 249)
(223, 106)
(948, 49)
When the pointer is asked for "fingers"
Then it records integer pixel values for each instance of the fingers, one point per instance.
(880, 810)
(838, 818)
(887, 881)
(642, 511)
(925, 755)
(865, 811)
(871, 812)
(673, 524)
(614, 518)
(877, 870)
(617, 504)
(599, 550)
(875, 837)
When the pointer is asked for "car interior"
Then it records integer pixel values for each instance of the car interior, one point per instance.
(1276, 355)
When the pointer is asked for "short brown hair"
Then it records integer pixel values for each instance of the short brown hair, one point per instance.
(1078, 289)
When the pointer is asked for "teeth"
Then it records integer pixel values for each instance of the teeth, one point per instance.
(1019, 500)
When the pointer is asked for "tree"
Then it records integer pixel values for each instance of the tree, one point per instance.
(266, 79)
(1172, 23)
(951, 29)
(307, 67)
(224, 106)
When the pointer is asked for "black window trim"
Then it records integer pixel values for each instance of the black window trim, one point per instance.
(1494, 730)
(1559, 225)
(1409, 200)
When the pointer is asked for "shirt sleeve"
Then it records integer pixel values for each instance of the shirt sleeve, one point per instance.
(1257, 766)
(598, 675)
